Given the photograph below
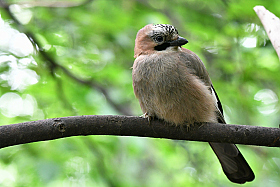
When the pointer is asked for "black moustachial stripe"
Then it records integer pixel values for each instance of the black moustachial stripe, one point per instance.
(162, 46)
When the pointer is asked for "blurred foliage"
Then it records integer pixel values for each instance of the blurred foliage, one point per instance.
(94, 40)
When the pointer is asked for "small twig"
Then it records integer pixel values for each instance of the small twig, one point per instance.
(52, 4)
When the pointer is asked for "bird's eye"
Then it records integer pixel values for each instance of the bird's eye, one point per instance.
(159, 38)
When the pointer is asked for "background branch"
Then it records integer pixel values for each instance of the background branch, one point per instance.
(55, 128)
(271, 24)
(54, 65)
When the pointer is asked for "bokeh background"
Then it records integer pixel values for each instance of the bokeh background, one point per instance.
(81, 65)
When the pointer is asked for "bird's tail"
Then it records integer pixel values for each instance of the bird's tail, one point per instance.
(233, 163)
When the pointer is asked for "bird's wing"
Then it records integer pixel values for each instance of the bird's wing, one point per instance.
(196, 64)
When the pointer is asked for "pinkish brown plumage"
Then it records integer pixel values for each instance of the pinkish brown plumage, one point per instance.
(172, 83)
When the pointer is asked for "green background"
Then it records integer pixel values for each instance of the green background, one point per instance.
(94, 41)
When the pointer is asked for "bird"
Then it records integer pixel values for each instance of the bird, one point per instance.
(173, 85)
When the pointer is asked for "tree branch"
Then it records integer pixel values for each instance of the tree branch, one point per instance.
(271, 24)
(55, 128)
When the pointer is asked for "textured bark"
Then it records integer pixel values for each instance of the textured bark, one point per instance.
(55, 128)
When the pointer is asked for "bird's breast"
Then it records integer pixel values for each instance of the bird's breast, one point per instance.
(156, 71)
(166, 89)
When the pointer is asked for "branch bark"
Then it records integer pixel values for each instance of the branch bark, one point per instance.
(55, 128)
(271, 25)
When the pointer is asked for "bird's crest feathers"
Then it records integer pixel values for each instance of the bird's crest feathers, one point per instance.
(151, 36)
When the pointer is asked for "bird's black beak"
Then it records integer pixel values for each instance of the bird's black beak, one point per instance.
(179, 42)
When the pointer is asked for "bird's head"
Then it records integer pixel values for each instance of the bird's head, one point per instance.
(159, 37)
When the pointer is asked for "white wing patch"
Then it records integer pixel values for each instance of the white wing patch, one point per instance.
(217, 103)
(215, 97)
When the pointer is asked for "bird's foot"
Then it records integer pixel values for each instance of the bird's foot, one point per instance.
(186, 127)
(149, 117)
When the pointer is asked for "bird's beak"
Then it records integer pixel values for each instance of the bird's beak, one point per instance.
(179, 42)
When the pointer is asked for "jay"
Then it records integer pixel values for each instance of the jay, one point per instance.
(172, 84)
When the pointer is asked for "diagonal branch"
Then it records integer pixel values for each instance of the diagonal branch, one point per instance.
(271, 24)
(90, 83)
(55, 128)
(53, 65)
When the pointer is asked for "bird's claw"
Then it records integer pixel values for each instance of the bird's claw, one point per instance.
(146, 115)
